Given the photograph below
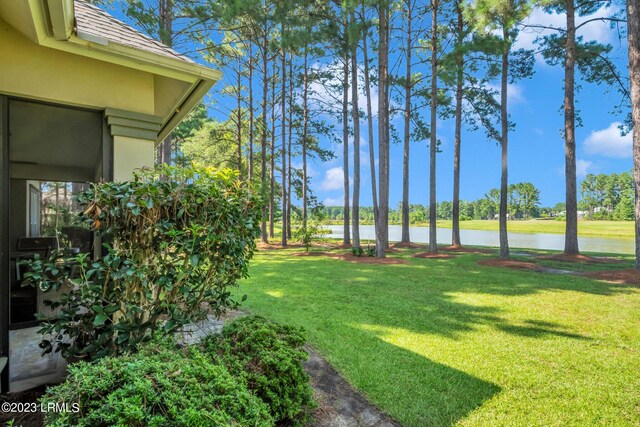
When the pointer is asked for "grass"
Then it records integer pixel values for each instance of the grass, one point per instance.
(585, 228)
(449, 342)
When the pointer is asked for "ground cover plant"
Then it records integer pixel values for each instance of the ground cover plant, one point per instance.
(249, 375)
(451, 342)
(268, 357)
(158, 386)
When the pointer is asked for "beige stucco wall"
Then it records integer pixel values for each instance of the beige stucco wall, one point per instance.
(35, 72)
(32, 71)
(130, 154)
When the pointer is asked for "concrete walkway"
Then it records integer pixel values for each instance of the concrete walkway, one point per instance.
(339, 404)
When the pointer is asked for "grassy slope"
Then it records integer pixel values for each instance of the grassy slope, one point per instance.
(441, 342)
(585, 228)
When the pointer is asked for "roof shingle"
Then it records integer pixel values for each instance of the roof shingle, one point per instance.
(93, 20)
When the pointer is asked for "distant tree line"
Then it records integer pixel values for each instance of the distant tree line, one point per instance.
(608, 196)
(523, 203)
(603, 197)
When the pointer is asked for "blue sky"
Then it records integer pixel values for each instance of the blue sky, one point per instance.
(536, 145)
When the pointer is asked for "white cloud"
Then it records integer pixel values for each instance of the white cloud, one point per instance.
(364, 158)
(333, 179)
(608, 142)
(515, 93)
(583, 167)
(311, 171)
(327, 96)
(331, 201)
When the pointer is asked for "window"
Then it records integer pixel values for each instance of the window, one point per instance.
(34, 211)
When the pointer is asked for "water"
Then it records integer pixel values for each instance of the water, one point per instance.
(491, 238)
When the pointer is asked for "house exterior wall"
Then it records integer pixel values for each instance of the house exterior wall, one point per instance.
(51, 75)
(44, 74)
(33, 72)
(130, 154)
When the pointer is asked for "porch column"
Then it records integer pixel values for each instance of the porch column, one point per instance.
(134, 139)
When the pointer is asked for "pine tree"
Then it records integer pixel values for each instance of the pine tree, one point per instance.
(590, 58)
(504, 16)
(633, 35)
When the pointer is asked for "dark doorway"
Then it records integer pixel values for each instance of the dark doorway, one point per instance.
(48, 153)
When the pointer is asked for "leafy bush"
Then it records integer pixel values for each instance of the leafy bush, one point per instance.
(307, 235)
(269, 357)
(160, 385)
(371, 251)
(177, 240)
(357, 251)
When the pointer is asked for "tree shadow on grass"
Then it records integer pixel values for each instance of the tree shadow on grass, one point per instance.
(464, 274)
(396, 297)
(363, 319)
(415, 390)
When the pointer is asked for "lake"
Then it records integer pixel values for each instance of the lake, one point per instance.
(490, 238)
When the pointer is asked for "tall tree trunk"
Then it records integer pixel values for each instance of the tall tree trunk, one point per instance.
(356, 139)
(382, 231)
(346, 239)
(455, 229)
(433, 144)
(165, 31)
(272, 160)
(284, 149)
(239, 124)
(250, 174)
(372, 158)
(305, 125)
(633, 34)
(289, 144)
(406, 238)
(504, 121)
(263, 172)
(571, 198)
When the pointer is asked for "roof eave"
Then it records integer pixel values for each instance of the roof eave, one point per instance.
(197, 92)
(54, 24)
(62, 18)
(59, 14)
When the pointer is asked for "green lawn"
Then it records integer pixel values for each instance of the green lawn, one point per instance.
(585, 228)
(444, 342)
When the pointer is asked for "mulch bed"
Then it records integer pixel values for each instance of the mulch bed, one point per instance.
(400, 245)
(509, 263)
(462, 249)
(24, 419)
(372, 260)
(342, 246)
(579, 258)
(620, 277)
(432, 255)
(318, 253)
(272, 246)
(352, 258)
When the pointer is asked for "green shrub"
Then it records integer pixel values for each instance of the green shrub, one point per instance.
(357, 251)
(371, 251)
(307, 235)
(160, 385)
(178, 238)
(269, 357)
